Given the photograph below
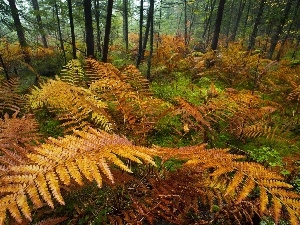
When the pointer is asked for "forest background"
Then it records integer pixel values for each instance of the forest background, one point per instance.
(149, 112)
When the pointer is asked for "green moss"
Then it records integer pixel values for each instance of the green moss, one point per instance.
(182, 86)
(49, 126)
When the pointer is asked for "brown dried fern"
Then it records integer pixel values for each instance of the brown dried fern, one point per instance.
(16, 134)
(11, 100)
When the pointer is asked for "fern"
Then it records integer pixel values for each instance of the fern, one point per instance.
(98, 70)
(15, 136)
(11, 100)
(52, 221)
(134, 77)
(85, 155)
(75, 106)
(247, 176)
(130, 98)
(73, 73)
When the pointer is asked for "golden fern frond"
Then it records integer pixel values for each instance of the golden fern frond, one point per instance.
(188, 109)
(264, 200)
(130, 74)
(75, 106)
(137, 111)
(96, 70)
(295, 93)
(246, 176)
(73, 73)
(84, 155)
(11, 100)
(262, 129)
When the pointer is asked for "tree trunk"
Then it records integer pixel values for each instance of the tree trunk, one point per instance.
(238, 19)
(107, 30)
(148, 24)
(125, 23)
(215, 40)
(140, 51)
(192, 22)
(88, 21)
(59, 32)
(185, 24)
(159, 23)
(72, 29)
(278, 31)
(256, 24)
(151, 15)
(97, 18)
(20, 30)
(36, 8)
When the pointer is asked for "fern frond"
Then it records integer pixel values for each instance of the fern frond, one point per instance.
(264, 200)
(134, 77)
(75, 106)
(15, 136)
(261, 129)
(96, 70)
(52, 221)
(246, 177)
(187, 109)
(137, 111)
(247, 188)
(73, 73)
(76, 157)
(294, 219)
(277, 209)
(235, 182)
(295, 93)
(11, 101)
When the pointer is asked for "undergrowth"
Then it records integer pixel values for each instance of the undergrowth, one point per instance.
(118, 149)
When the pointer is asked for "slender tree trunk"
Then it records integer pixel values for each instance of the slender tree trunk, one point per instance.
(36, 8)
(238, 19)
(178, 26)
(20, 30)
(192, 21)
(159, 23)
(215, 40)
(148, 24)
(4, 67)
(107, 30)
(256, 24)
(59, 32)
(288, 31)
(151, 15)
(140, 52)
(185, 24)
(97, 18)
(278, 31)
(246, 19)
(125, 23)
(72, 29)
(88, 21)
